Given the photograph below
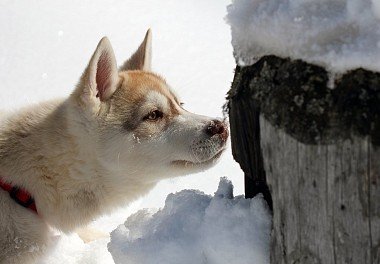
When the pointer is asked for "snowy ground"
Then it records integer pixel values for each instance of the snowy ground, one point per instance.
(45, 45)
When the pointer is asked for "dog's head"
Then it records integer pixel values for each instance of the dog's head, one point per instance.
(135, 121)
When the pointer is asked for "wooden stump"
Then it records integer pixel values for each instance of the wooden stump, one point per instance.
(318, 150)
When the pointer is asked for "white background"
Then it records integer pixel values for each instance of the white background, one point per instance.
(45, 46)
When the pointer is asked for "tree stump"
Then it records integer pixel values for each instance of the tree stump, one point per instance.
(318, 150)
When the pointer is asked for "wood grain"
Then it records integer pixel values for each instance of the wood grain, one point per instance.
(315, 154)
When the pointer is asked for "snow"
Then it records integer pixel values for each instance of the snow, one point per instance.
(196, 228)
(45, 46)
(71, 249)
(337, 34)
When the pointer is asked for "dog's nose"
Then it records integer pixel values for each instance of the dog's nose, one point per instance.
(217, 127)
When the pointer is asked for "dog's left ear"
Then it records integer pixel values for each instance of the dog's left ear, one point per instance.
(142, 58)
(99, 80)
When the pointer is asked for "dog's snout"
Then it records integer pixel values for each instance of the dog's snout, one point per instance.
(217, 127)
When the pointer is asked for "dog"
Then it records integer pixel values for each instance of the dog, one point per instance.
(63, 163)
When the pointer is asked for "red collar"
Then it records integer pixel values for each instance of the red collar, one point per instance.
(21, 196)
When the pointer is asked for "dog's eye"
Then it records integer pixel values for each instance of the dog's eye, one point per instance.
(154, 115)
(181, 104)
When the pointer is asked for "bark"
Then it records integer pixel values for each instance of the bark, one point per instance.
(317, 150)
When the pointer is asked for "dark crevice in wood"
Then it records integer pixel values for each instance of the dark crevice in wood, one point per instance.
(299, 227)
(282, 230)
(245, 139)
(369, 197)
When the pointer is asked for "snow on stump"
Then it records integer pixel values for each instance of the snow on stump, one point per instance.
(316, 144)
(196, 228)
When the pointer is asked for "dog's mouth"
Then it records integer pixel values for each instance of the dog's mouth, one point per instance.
(187, 163)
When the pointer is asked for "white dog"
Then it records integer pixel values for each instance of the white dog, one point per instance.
(65, 162)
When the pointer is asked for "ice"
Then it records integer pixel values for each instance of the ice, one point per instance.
(337, 34)
(194, 227)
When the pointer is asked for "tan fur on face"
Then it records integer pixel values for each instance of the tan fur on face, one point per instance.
(128, 104)
(137, 84)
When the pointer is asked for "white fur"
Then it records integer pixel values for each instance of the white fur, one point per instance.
(76, 160)
(157, 99)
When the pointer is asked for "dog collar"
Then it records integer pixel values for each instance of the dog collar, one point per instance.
(21, 196)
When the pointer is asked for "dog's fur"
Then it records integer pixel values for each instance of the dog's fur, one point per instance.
(119, 133)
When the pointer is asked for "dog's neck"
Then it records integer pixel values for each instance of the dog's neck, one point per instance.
(19, 195)
(39, 153)
(48, 151)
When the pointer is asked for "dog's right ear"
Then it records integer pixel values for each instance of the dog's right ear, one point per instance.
(99, 80)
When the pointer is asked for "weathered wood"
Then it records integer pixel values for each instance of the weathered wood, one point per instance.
(322, 201)
(318, 150)
(246, 144)
(374, 201)
(286, 234)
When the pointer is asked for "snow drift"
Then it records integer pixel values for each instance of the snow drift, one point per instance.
(337, 34)
(71, 249)
(196, 228)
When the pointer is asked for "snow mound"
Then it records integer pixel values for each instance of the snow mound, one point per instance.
(71, 249)
(337, 34)
(196, 228)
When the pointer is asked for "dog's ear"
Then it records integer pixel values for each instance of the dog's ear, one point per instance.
(101, 76)
(142, 58)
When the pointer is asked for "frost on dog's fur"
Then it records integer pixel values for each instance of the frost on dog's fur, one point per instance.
(118, 134)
